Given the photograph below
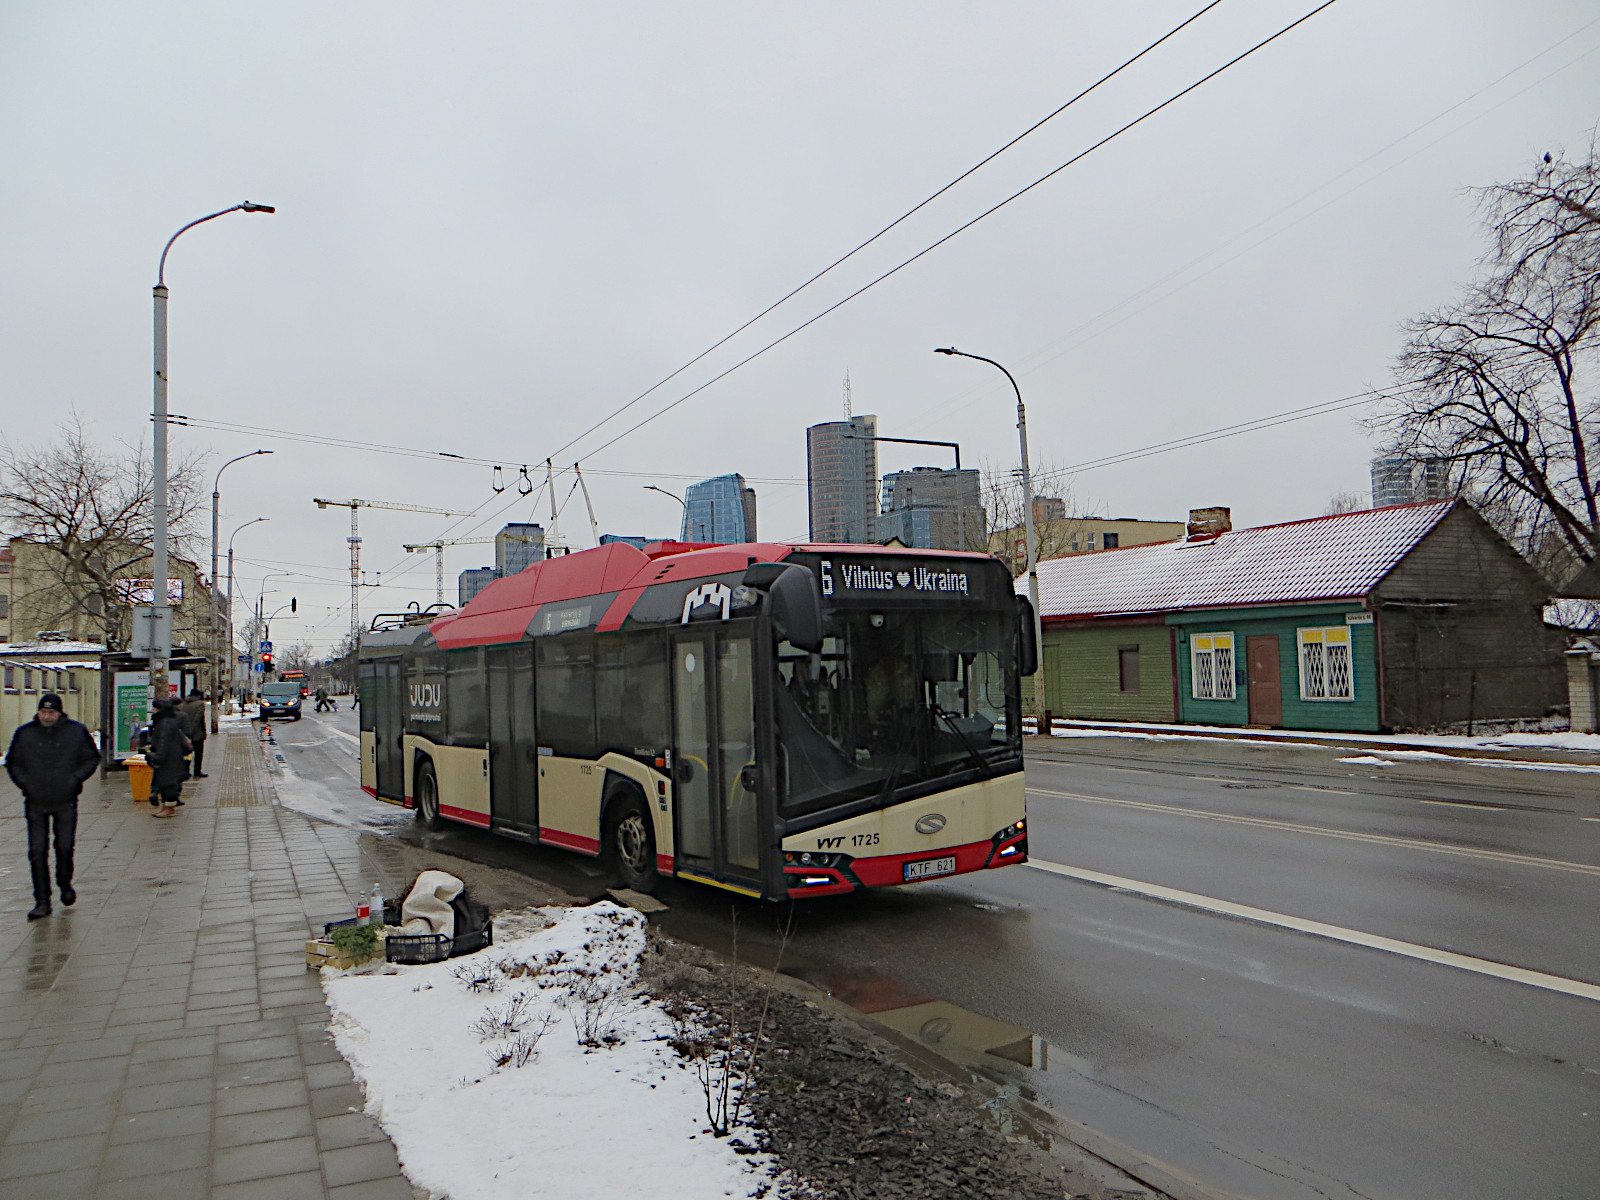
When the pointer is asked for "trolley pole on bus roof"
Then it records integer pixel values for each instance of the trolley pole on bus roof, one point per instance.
(1027, 529)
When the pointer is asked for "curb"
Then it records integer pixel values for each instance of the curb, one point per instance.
(1531, 754)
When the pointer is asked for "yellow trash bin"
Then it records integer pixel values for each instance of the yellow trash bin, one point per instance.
(140, 773)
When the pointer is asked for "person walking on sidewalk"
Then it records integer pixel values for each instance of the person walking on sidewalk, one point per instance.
(193, 714)
(49, 759)
(168, 746)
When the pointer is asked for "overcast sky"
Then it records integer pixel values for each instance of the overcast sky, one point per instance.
(497, 223)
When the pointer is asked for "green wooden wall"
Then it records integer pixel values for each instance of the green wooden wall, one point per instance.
(1359, 715)
(1081, 677)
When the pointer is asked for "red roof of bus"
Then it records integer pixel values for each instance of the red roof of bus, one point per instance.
(502, 611)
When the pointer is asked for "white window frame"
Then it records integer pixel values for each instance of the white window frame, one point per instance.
(1318, 663)
(1212, 662)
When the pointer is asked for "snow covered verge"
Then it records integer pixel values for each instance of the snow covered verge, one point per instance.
(537, 1068)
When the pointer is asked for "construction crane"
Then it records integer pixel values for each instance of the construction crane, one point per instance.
(438, 546)
(355, 507)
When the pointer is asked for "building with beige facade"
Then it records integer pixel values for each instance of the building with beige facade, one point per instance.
(43, 598)
(1060, 536)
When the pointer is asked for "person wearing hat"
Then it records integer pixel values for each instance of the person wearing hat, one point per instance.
(49, 759)
(168, 748)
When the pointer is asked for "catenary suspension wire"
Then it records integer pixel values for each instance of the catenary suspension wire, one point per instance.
(1034, 357)
(961, 229)
(910, 212)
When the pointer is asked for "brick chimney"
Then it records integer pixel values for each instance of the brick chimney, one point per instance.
(1208, 523)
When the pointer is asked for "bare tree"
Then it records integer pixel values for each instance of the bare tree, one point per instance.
(301, 656)
(1498, 384)
(88, 509)
(1345, 502)
(1052, 536)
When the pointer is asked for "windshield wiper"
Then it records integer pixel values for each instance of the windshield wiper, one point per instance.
(983, 763)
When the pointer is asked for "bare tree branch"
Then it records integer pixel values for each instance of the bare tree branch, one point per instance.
(1499, 384)
(89, 509)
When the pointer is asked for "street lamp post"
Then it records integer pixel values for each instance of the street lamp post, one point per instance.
(160, 632)
(650, 487)
(216, 622)
(232, 672)
(1027, 527)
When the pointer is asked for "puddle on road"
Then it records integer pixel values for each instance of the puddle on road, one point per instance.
(942, 1027)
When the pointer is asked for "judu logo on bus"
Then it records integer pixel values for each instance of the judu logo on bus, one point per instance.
(427, 695)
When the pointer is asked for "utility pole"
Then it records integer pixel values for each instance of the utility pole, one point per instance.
(355, 506)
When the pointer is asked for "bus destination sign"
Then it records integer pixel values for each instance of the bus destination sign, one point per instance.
(844, 578)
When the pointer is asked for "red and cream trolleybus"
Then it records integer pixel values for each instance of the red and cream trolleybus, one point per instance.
(775, 720)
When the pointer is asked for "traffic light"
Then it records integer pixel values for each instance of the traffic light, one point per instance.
(266, 662)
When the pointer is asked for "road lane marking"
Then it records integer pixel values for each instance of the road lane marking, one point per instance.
(1464, 804)
(1353, 937)
(1381, 839)
(349, 737)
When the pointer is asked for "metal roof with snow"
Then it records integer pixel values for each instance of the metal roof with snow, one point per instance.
(1324, 558)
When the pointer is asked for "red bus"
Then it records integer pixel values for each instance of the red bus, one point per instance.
(774, 720)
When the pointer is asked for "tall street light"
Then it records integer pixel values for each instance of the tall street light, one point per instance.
(160, 633)
(650, 487)
(216, 622)
(232, 671)
(1027, 525)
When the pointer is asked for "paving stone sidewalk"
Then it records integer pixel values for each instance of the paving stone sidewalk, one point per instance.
(163, 1038)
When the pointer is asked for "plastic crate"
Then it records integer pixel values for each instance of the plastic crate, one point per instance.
(412, 948)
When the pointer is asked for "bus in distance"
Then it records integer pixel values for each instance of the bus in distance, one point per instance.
(779, 721)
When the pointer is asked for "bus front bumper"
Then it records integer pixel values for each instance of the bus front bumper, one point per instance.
(837, 874)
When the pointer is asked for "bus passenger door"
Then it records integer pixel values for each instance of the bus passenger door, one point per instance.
(714, 741)
(513, 769)
(389, 725)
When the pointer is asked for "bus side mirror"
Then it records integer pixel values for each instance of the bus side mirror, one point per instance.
(1028, 654)
(796, 601)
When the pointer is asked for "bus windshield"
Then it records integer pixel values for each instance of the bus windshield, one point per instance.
(896, 699)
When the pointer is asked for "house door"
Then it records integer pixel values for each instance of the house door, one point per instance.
(713, 760)
(513, 757)
(1266, 684)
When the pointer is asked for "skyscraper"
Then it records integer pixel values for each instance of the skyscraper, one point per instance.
(518, 546)
(1400, 479)
(932, 509)
(719, 510)
(470, 583)
(842, 479)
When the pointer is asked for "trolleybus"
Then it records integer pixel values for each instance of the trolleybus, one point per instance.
(776, 720)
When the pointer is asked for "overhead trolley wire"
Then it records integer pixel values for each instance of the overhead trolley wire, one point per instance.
(866, 287)
(910, 212)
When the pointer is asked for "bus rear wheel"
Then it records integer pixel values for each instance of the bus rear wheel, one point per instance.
(631, 841)
(427, 800)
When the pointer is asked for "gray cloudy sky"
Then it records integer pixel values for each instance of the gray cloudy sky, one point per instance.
(498, 222)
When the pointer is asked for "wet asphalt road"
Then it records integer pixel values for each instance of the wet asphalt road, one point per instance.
(1261, 1061)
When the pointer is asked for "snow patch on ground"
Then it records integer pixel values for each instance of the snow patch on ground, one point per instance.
(1367, 760)
(622, 1118)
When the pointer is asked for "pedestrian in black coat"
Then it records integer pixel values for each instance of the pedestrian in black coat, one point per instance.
(193, 714)
(49, 759)
(168, 747)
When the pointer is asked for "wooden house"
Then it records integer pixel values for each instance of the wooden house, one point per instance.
(1411, 617)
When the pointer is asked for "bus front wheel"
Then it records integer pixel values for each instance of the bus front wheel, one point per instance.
(632, 841)
(427, 802)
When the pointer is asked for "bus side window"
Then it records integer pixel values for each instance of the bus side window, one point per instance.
(564, 683)
(632, 706)
(465, 698)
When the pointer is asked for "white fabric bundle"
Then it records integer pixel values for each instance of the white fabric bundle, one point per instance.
(427, 909)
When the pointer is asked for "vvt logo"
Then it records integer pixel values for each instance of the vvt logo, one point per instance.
(708, 593)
